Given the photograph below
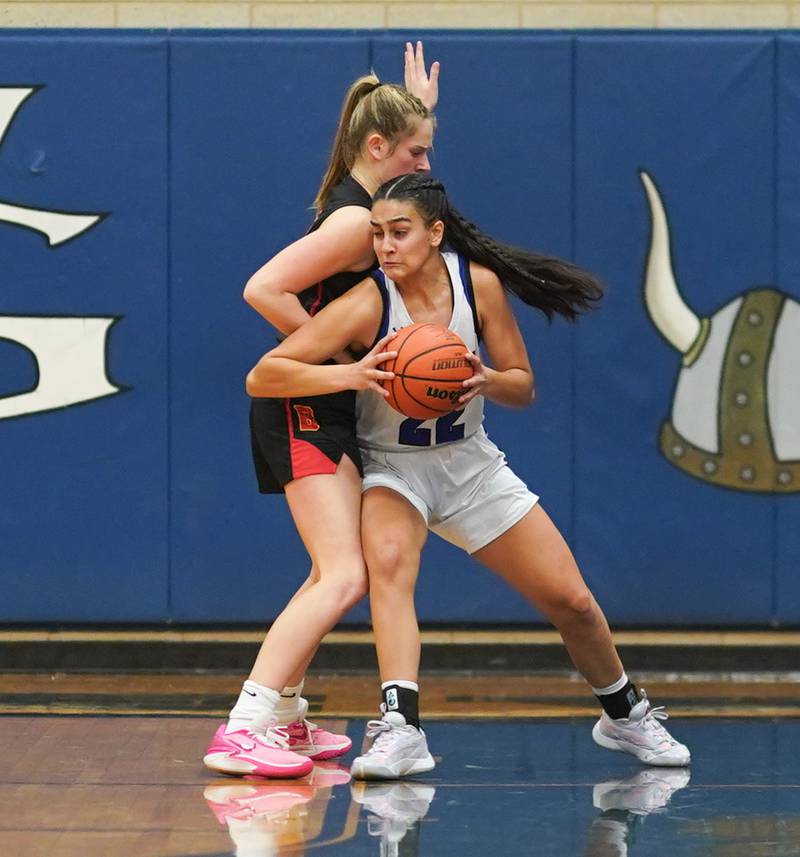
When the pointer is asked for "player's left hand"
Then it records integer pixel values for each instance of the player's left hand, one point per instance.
(474, 386)
(418, 82)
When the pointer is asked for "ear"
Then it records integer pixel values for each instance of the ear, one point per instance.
(377, 146)
(437, 233)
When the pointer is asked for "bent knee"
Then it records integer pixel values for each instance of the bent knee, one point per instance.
(387, 561)
(350, 588)
(577, 607)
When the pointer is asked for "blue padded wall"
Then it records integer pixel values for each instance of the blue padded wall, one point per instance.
(84, 529)
(673, 106)
(204, 151)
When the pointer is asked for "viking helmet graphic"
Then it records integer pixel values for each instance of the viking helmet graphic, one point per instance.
(736, 410)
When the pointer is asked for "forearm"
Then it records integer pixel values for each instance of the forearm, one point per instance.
(282, 310)
(275, 377)
(511, 387)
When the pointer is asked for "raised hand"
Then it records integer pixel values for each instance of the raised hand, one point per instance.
(418, 82)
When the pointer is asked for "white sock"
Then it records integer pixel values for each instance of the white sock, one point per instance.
(401, 682)
(291, 705)
(612, 688)
(254, 708)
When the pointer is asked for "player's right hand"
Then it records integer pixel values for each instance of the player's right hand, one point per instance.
(365, 375)
(418, 82)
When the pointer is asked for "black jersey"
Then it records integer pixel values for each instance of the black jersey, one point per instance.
(293, 438)
(347, 192)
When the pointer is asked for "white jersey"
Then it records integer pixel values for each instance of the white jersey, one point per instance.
(382, 427)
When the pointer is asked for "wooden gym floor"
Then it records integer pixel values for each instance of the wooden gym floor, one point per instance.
(107, 763)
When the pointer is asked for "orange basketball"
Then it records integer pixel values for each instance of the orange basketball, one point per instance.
(428, 371)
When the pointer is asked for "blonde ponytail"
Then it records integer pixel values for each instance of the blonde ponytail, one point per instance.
(369, 106)
(337, 164)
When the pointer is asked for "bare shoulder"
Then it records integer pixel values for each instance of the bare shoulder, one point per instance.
(485, 282)
(359, 310)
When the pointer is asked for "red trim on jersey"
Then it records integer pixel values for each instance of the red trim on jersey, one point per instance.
(306, 459)
(317, 301)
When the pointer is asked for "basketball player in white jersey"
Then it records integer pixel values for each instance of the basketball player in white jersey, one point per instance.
(446, 475)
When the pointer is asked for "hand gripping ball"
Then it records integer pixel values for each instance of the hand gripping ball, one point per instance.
(428, 371)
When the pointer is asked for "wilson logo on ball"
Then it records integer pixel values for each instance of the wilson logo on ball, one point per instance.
(429, 371)
(433, 393)
(449, 364)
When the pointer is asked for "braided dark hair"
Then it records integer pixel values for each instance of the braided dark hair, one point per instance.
(549, 284)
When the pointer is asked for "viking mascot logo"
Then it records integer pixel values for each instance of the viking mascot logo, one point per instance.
(70, 351)
(736, 409)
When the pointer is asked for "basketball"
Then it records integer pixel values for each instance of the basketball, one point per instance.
(428, 371)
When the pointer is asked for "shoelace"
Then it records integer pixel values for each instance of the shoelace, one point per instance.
(380, 731)
(275, 736)
(650, 718)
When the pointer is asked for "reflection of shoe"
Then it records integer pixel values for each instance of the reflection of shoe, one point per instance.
(263, 819)
(646, 791)
(244, 752)
(313, 741)
(397, 751)
(326, 775)
(641, 734)
(244, 801)
(394, 808)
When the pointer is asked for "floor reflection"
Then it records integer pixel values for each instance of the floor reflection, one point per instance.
(274, 818)
(135, 787)
(623, 803)
(394, 812)
(269, 818)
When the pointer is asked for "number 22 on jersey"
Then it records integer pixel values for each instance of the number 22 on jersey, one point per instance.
(445, 431)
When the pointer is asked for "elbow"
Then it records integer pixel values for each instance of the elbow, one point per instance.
(258, 290)
(258, 383)
(251, 292)
(527, 397)
(251, 384)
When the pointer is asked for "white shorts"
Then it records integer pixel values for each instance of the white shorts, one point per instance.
(465, 491)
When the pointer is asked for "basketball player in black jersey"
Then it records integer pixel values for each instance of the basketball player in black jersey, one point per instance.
(306, 447)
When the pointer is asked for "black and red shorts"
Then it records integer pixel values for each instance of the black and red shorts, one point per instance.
(292, 438)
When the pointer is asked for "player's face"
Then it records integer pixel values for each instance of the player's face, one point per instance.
(410, 155)
(402, 241)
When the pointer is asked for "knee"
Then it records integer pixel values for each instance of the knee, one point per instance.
(576, 609)
(350, 587)
(387, 562)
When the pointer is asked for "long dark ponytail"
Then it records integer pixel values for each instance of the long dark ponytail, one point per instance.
(547, 283)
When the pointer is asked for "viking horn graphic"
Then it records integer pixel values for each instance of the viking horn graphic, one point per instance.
(674, 319)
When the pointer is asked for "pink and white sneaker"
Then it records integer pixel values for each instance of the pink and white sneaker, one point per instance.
(308, 739)
(244, 752)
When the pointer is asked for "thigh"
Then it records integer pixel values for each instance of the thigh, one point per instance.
(326, 509)
(534, 558)
(393, 533)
